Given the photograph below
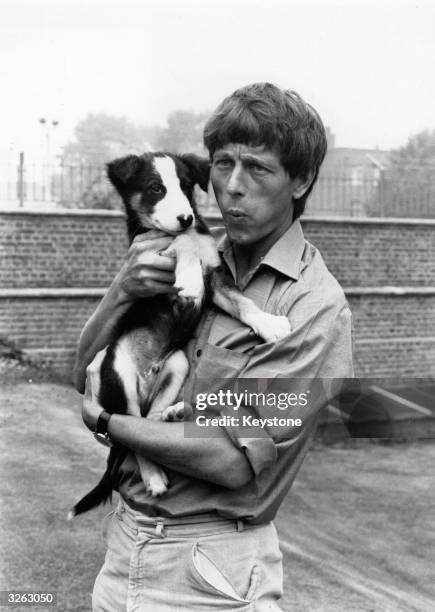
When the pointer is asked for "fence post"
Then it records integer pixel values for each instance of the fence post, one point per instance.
(382, 194)
(20, 184)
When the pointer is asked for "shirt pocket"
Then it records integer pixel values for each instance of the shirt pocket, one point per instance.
(216, 363)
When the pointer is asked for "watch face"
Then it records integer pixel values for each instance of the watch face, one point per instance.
(103, 439)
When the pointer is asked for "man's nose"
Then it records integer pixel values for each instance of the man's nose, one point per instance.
(236, 184)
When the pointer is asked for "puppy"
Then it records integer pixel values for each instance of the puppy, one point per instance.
(144, 367)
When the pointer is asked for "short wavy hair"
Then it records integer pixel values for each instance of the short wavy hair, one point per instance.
(262, 114)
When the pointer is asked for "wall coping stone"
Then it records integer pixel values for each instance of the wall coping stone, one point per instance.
(62, 212)
(83, 212)
(96, 292)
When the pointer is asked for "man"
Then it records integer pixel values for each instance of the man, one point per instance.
(209, 542)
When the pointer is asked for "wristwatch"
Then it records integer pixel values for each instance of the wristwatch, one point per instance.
(100, 432)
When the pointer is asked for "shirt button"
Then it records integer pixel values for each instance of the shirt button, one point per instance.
(199, 353)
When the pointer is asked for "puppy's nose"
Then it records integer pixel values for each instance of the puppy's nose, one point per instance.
(185, 220)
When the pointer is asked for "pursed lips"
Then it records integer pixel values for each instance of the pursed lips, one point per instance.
(235, 213)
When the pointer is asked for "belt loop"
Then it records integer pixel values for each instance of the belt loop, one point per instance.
(240, 525)
(160, 529)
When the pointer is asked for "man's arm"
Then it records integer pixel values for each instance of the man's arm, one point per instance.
(215, 460)
(144, 273)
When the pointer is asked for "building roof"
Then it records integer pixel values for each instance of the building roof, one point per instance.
(349, 157)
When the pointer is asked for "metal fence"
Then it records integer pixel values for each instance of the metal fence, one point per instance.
(59, 185)
(64, 185)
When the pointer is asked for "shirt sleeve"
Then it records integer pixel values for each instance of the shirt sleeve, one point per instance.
(314, 359)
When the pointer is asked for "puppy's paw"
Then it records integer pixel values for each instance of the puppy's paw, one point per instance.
(191, 289)
(269, 327)
(157, 484)
(174, 413)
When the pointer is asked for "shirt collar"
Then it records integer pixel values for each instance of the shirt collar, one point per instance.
(285, 255)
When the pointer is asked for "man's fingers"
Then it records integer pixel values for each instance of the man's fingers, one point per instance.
(92, 385)
(162, 262)
(158, 287)
(153, 242)
(95, 364)
(150, 235)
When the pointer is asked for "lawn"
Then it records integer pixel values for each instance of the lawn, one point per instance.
(357, 529)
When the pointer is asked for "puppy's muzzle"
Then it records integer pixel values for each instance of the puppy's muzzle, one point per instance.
(185, 220)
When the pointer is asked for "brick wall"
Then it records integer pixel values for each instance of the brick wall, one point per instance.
(54, 267)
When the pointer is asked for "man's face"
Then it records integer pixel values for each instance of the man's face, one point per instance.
(254, 193)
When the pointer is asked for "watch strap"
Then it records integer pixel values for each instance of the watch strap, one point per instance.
(100, 432)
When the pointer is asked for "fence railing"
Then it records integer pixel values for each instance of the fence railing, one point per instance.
(63, 185)
(66, 185)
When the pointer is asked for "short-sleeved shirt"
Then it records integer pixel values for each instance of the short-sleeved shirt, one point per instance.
(291, 280)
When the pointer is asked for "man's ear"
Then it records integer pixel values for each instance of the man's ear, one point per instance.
(121, 171)
(303, 185)
(199, 168)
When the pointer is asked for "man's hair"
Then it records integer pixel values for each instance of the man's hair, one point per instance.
(262, 114)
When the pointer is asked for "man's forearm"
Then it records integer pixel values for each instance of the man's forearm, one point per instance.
(98, 332)
(213, 459)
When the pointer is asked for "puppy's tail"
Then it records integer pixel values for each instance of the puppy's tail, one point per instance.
(102, 493)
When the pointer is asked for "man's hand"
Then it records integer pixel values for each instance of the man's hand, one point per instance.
(146, 272)
(91, 408)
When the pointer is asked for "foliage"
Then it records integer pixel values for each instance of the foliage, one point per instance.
(98, 138)
(408, 185)
(418, 152)
(183, 132)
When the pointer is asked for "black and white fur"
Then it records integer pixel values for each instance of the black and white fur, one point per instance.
(144, 367)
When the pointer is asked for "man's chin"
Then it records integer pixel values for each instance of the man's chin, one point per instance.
(239, 237)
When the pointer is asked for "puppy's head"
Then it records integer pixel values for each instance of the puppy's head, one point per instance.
(157, 190)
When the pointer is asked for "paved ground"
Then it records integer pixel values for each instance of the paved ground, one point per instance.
(357, 530)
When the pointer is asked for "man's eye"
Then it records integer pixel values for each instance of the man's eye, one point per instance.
(258, 168)
(156, 188)
(223, 163)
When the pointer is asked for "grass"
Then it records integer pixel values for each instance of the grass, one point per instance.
(356, 529)
(48, 461)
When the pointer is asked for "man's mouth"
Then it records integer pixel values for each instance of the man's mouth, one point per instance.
(235, 213)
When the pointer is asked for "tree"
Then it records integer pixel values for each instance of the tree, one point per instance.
(419, 152)
(408, 184)
(99, 138)
(183, 133)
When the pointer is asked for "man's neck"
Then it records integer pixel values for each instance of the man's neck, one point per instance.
(247, 257)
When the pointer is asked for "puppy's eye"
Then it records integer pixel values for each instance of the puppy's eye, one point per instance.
(156, 188)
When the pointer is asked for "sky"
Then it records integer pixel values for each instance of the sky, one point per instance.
(367, 66)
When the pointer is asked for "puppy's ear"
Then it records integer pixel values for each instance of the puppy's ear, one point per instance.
(199, 169)
(121, 171)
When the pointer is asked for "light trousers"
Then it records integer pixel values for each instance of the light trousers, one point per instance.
(196, 563)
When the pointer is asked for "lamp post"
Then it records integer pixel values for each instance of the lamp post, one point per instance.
(48, 126)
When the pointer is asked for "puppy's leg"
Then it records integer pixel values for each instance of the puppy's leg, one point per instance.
(188, 272)
(226, 296)
(154, 478)
(173, 375)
